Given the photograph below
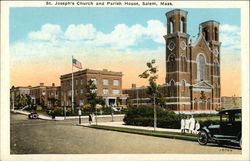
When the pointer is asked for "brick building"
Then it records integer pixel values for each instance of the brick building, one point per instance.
(46, 95)
(192, 81)
(108, 83)
(15, 91)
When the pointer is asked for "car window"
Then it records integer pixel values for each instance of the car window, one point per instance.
(238, 117)
(225, 117)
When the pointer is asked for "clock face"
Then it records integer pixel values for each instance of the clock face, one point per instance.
(171, 46)
(216, 52)
(183, 45)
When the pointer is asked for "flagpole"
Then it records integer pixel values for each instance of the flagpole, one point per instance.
(72, 98)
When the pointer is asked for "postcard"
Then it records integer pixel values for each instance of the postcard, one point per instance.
(124, 80)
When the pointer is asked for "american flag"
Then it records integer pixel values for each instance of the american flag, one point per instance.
(76, 63)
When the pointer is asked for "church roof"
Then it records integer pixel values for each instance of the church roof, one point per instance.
(203, 84)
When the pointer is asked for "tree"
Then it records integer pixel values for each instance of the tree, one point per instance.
(153, 88)
(23, 100)
(91, 95)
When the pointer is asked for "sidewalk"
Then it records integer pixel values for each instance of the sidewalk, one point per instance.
(58, 118)
(122, 125)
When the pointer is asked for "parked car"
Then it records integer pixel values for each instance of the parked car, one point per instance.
(229, 129)
(33, 115)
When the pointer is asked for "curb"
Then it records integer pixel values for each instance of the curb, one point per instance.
(171, 135)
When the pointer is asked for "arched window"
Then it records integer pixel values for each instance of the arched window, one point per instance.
(183, 91)
(216, 68)
(205, 33)
(208, 104)
(171, 26)
(216, 35)
(171, 63)
(182, 25)
(172, 88)
(195, 104)
(183, 63)
(201, 68)
(215, 90)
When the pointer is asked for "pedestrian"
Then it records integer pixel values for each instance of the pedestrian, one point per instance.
(183, 125)
(93, 117)
(192, 124)
(187, 124)
(90, 119)
(197, 126)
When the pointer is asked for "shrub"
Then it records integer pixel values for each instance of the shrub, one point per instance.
(144, 116)
(39, 108)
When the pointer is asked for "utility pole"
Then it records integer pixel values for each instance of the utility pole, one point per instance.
(137, 98)
(155, 122)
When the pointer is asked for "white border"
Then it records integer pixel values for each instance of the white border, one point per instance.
(5, 125)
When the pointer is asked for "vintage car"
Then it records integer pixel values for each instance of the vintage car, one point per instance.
(228, 130)
(33, 115)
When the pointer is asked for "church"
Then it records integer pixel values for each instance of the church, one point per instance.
(192, 81)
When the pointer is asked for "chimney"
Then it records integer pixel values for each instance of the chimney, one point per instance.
(41, 84)
(53, 84)
(133, 85)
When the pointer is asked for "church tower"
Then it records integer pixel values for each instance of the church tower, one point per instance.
(210, 31)
(177, 61)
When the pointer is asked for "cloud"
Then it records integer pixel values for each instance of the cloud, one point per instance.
(80, 32)
(122, 36)
(48, 32)
(230, 37)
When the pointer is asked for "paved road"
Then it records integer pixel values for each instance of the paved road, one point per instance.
(64, 137)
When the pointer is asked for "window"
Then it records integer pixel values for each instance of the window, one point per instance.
(171, 63)
(105, 91)
(195, 104)
(205, 33)
(216, 69)
(201, 68)
(94, 80)
(93, 90)
(183, 92)
(81, 91)
(77, 82)
(116, 91)
(182, 25)
(216, 34)
(171, 26)
(105, 82)
(81, 102)
(116, 82)
(183, 63)
(81, 81)
(208, 104)
(69, 92)
(172, 89)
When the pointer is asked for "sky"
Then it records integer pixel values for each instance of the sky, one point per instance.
(43, 40)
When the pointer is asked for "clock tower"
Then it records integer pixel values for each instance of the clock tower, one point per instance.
(177, 60)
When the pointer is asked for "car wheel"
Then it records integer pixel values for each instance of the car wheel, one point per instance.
(34, 116)
(202, 138)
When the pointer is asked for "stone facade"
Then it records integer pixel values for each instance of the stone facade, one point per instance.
(192, 81)
(108, 83)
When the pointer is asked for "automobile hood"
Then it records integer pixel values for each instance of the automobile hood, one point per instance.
(214, 126)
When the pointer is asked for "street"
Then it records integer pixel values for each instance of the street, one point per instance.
(64, 137)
